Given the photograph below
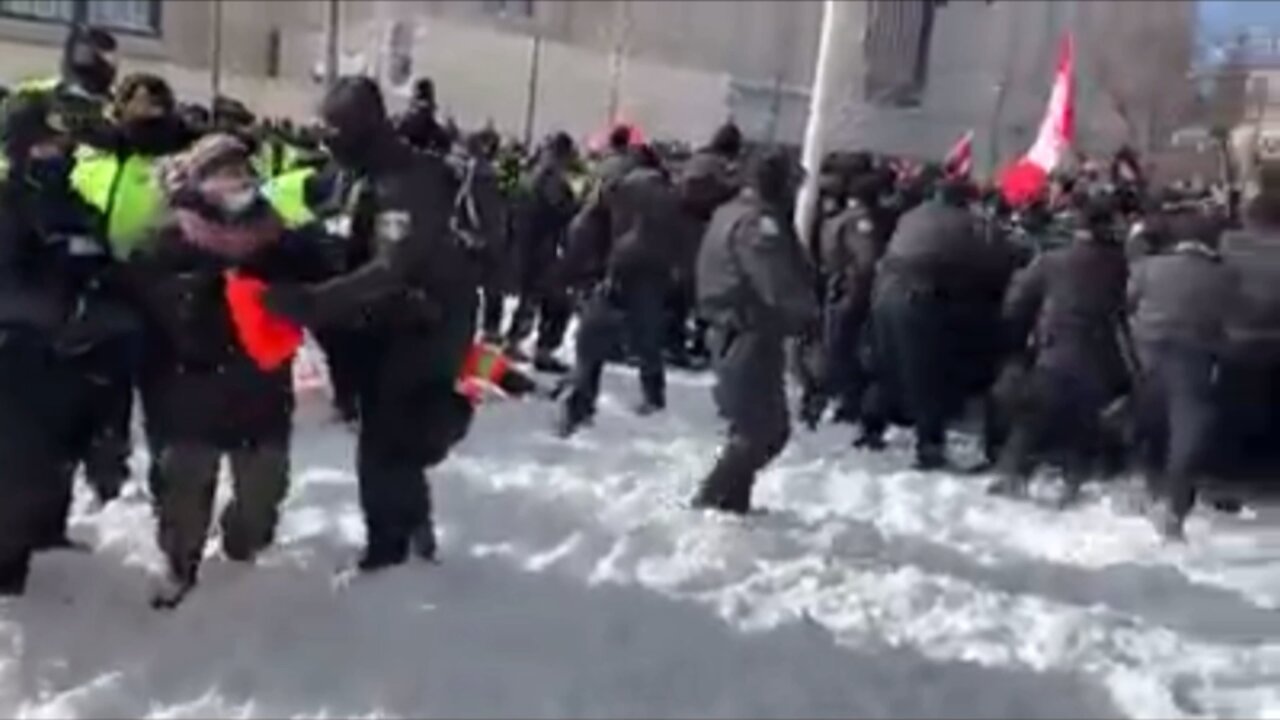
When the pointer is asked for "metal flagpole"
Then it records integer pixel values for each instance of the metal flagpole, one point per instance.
(531, 102)
(331, 29)
(824, 78)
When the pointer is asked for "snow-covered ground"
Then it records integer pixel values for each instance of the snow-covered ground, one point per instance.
(574, 584)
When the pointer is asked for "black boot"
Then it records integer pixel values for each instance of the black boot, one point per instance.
(175, 586)
(654, 391)
(727, 487)
(1168, 523)
(382, 553)
(570, 419)
(930, 457)
(545, 361)
(1010, 486)
(13, 575)
(424, 541)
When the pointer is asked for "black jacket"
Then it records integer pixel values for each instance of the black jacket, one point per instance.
(57, 276)
(1071, 302)
(707, 181)
(198, 383)
(632, 227)
(1187, 296)
(1253, 329)
(413, 274)
(752, 273)
(850, 251)
(936, 249)
(543, 215)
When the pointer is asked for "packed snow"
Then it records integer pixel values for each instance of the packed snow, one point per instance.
(574, 583)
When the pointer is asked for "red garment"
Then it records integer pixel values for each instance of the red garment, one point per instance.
(269, 340)
(484, 366)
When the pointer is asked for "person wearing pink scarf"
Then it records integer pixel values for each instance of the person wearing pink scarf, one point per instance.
(204, 395)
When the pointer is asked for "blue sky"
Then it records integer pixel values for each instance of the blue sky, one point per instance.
(1222, 17)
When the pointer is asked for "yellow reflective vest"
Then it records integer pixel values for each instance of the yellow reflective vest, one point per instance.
(287, 193)
(126, 190)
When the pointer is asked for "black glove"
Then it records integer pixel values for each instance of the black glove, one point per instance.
(292, 302)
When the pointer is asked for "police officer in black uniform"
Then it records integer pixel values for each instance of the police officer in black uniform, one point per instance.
(708, 179)
(626, 245)
(1070, 303)
(413, 298)
(850, 246)
(934, 289)
(543, 216)
(55, 276)
(754, 288)
(1181, 305)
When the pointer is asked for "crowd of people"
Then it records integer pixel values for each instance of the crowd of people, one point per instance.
(173, 254)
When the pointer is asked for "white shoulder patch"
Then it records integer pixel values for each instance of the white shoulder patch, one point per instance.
(392, 226)
(339, 226)
(768, 226)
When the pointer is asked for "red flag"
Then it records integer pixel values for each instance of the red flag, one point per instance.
(1025, 179)
(270, 341)
(959, 160)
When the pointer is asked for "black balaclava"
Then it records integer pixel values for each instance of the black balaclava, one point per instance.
(620, 138)
(355, 117)
(727, 141)
(86, 60)
(29, 120)
(775, 178)
(424, 94)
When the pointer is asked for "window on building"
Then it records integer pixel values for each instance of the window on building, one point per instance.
(140, 16)
(134, 16)
(899, 33)
(518, 8)
(51, 10)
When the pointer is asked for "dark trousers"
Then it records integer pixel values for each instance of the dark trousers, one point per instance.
(1057, 417)
(411, 416)
(1249, 447)
(911, 342)
(491, 307)
(260, 475)
(542, 301)
(844, 378)
(344, 352)
(107, 377)
(632, 311)
(686, 334)
(551, 309)
(1177, 417)
(750, 394)
(37, 406)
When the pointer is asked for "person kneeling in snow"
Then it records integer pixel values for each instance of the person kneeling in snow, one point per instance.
(209, 389)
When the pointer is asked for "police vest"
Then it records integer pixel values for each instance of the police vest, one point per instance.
(127, 193)
(287, 194)
(275, 158)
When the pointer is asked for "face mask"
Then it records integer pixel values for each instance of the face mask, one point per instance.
(347, 150)
(239, 201)
(50, 172)
(95, 76)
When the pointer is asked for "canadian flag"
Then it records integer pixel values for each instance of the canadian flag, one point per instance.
(959, 160)
(1022, 181)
